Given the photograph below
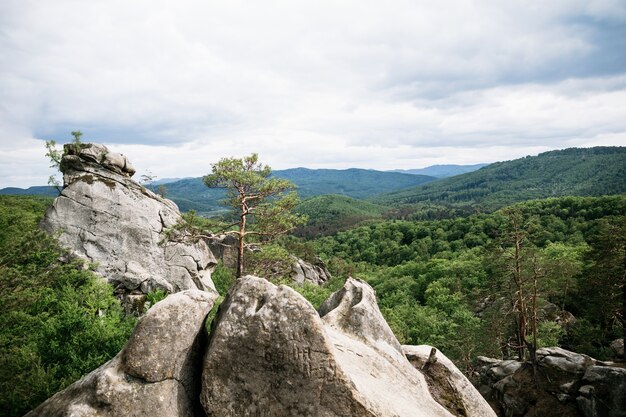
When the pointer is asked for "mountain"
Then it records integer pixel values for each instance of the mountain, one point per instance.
(191, 193)
(442, 171)
(329, 213)
(574, 171)
(43, 190)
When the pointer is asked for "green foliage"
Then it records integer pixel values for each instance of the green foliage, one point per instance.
(58, 320)
(271, 262)
(223, 278)
(444, 282)
(576, 171)
(155, 296)
(316, 294)
(261, 204)
(191, 193)
(328, 214)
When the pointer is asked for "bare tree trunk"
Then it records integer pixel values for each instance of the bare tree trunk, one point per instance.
(242, 233)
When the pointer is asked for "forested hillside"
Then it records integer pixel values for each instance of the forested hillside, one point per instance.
(192, 194)
(442, 171)
(575, 171)
(58, 320)
(328, 214)
(448, 282)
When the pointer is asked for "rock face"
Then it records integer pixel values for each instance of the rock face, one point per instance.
(157, 372)
(271, 354)
(315, 273)
(106, 218)
(447, 384)
(568, 384)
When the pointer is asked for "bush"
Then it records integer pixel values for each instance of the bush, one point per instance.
(59, 321)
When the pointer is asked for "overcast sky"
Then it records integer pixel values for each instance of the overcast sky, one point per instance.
(176, 85)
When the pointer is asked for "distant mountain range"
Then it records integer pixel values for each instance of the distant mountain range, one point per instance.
(442, 171)
(191, 193)
(574, 171)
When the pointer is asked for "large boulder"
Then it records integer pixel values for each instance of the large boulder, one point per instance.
(157, 372)
(270, 354)
(106, 218)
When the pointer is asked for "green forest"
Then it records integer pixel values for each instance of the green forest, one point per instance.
(459, 273)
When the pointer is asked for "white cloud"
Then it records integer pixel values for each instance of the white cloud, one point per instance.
(397, 84)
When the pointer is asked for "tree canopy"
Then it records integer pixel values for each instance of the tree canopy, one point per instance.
(261, 204)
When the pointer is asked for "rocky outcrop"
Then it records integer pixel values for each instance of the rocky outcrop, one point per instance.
(157, 372)
(106, 218)
(303, 271)
(448, 386)
(269, 353)
(565, 384)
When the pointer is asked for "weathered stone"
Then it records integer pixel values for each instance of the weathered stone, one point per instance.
(609, 390)
(564, 360)
(156, 374)
(106, 218)
(565, 384)
(504, 369)
(270, 354)
(315, 273)
(353, 310)
(448, 386)
(224, 248)
(617, 346)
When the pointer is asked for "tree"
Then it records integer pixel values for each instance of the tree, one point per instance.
(261, 203)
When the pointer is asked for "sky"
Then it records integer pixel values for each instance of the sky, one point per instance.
(394, 84)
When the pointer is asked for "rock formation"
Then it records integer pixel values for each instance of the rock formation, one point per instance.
(567, 384)
(269, 353)
(157, 372)
(303, 271)
(448, 386)
(106, 218)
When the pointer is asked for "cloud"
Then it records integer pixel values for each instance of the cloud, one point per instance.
(397, 84)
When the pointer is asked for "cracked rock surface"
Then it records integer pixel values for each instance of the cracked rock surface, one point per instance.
(106, 218)
(157, 372)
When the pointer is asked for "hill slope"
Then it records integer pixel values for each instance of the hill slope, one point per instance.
(43, 190)
(191, 193)
(575, 171)
(442, 171)
(330, 213)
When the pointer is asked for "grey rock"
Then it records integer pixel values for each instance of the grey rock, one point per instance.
(567, 383)
(564, 360)
(224, 248)
(447, 384)
(617, 346)
(504, 369)
(315, 273)
(270, 354)
(108, 219)
(156, 374)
